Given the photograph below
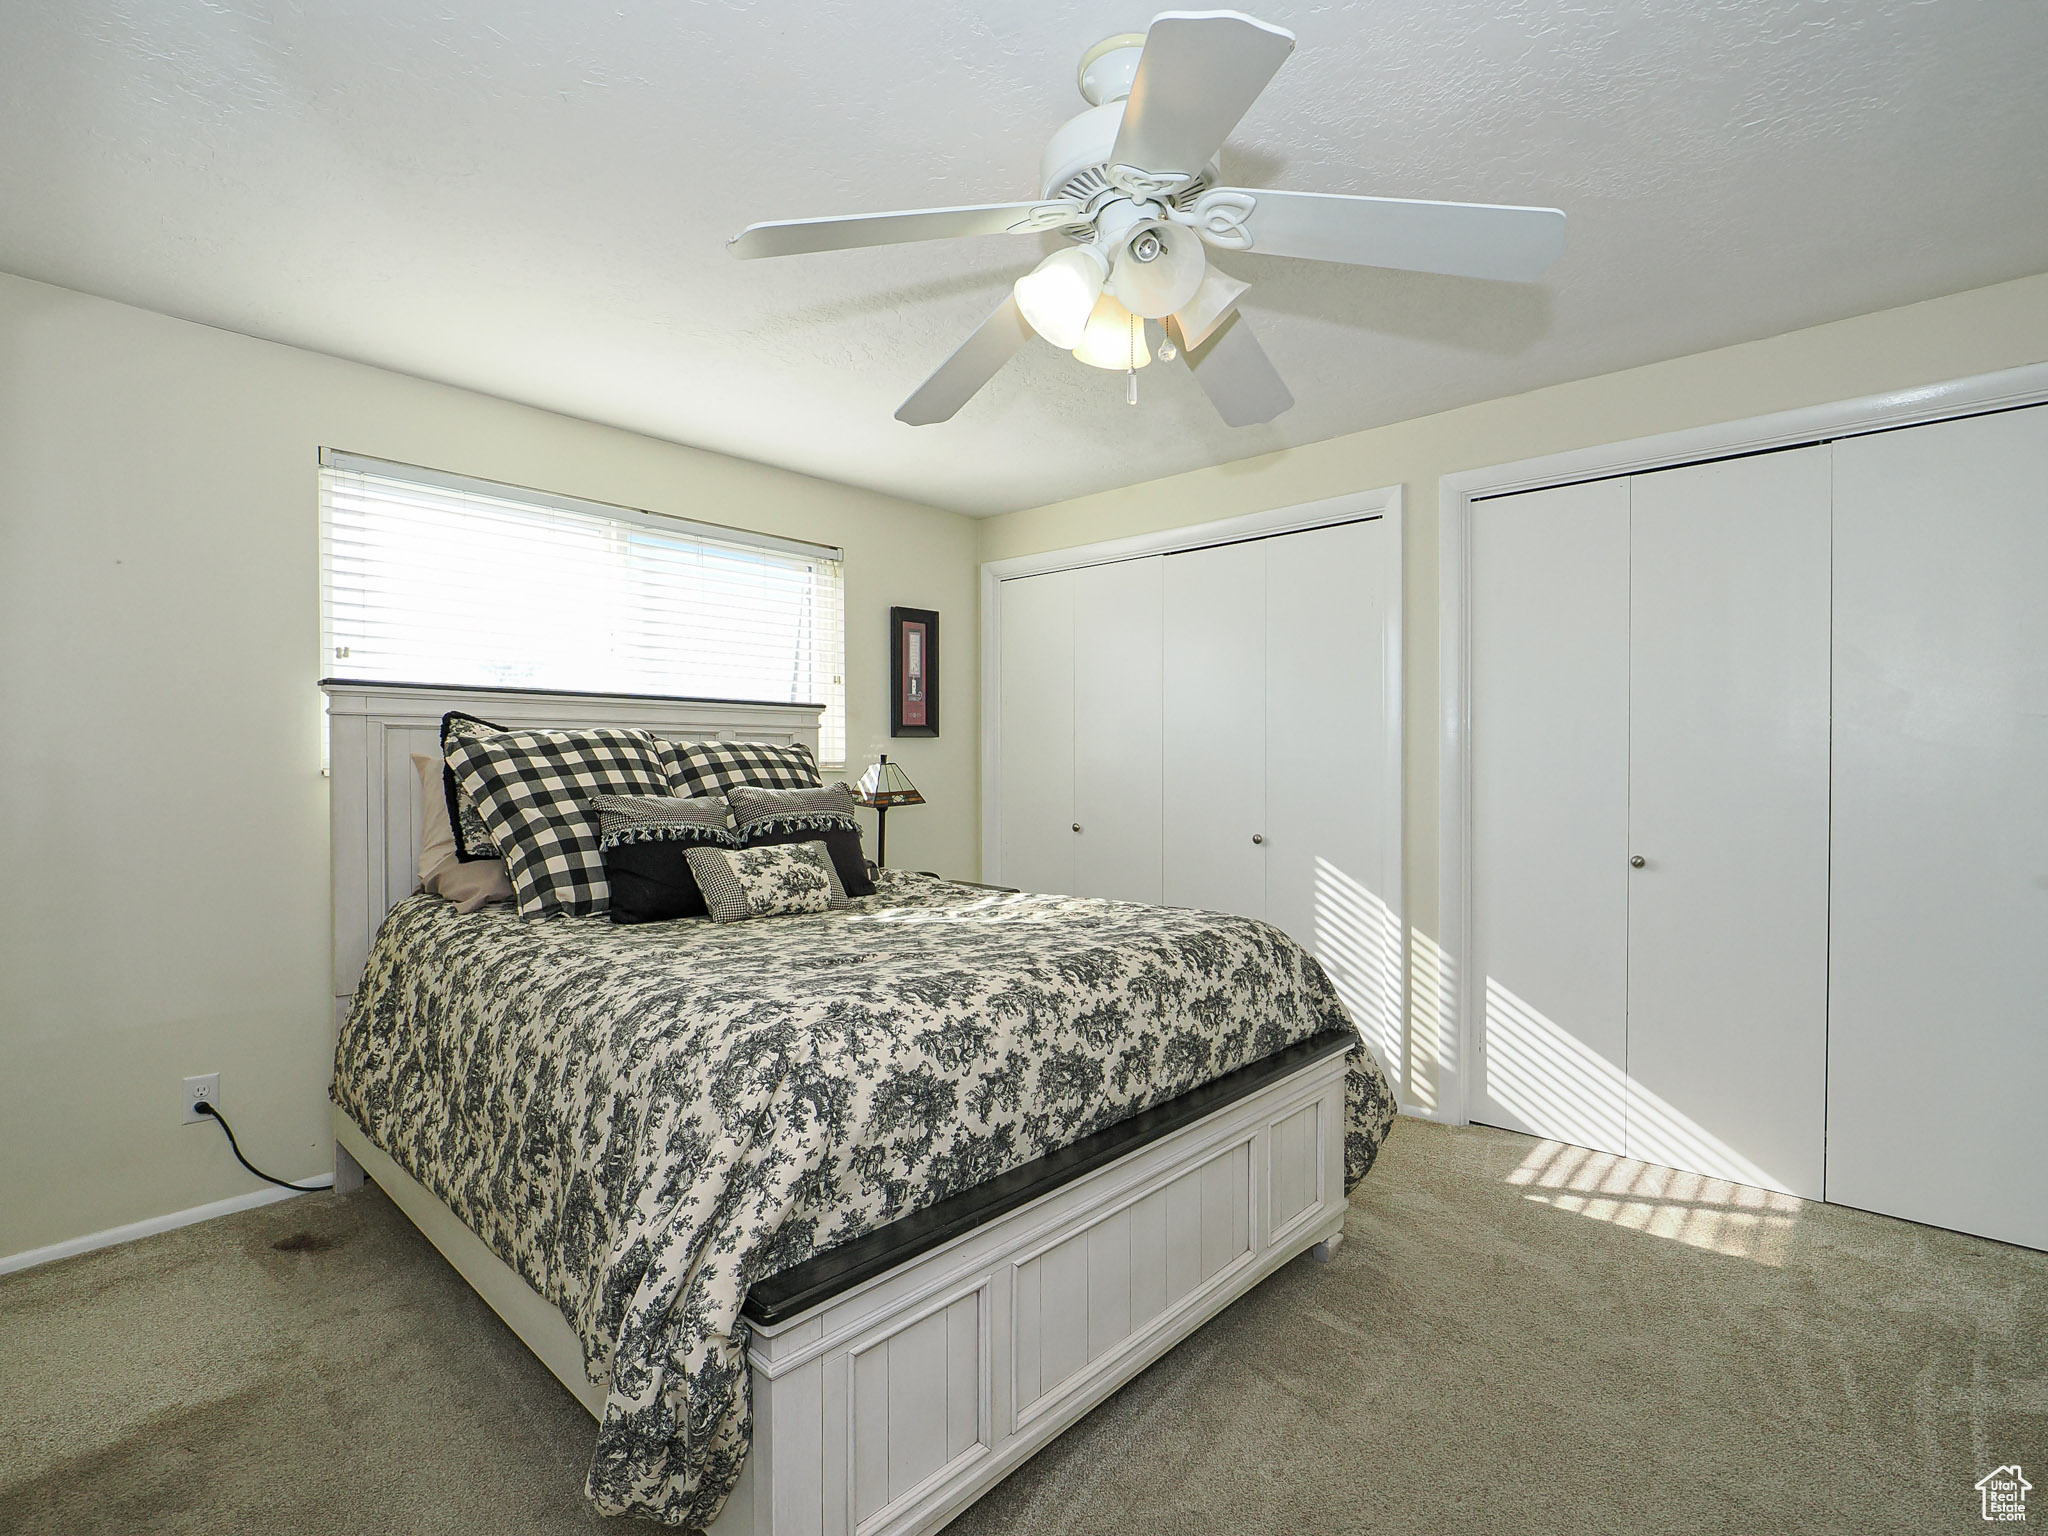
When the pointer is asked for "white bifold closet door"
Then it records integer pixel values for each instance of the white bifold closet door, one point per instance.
(1215, 728)
(1728, 809)
(1650, 683)
(1078, 741)
(1549, 756)
(1332, 765)
(1118, 721)
(1938, 1035)
(1035, 735)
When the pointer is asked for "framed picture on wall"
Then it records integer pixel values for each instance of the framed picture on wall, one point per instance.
(913, 672)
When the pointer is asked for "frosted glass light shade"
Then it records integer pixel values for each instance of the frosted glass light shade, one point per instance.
(1209, 308)
(1114, 338)
(1156, 288)
(1058, 294)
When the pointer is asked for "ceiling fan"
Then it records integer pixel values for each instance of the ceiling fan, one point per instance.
(1133, 182)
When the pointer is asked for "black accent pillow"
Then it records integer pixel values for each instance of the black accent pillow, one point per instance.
(763, 818)
(473, 840)
(645, 840)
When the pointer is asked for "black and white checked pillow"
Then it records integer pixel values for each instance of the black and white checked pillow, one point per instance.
(780, 881)
(714, 767)
(662, 818)
(790, 810)
(534, 791)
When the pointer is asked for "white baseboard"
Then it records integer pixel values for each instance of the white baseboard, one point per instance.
(1438, 1116)
(269, 1195)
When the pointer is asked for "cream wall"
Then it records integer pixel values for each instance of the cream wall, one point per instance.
(1968, 333)
(164, 910)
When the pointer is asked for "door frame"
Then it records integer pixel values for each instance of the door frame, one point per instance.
(1385, 504)
(1807, 426)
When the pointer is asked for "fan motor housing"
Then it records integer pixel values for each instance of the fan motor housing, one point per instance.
(1076, 162)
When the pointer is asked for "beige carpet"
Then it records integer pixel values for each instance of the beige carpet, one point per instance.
(1517, 1338)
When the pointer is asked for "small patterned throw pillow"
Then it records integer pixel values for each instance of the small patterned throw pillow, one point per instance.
(715, 767)
(765, 816)
(782, 881)
(534, 792)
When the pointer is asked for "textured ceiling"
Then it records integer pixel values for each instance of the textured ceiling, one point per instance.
(532, 199)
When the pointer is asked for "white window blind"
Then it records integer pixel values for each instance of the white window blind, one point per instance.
(428, 577)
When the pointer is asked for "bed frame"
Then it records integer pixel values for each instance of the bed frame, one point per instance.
(898, 1378)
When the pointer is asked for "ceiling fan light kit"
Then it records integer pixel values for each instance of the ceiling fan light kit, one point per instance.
(1210, 306)
(1133, 182)
(1060, 293)
(1114, 339)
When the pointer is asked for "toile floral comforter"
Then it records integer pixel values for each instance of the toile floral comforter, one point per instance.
(644, 1120)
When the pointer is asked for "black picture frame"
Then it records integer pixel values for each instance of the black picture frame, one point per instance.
(913, 672)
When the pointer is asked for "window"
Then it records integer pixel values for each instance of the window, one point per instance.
(434, 578)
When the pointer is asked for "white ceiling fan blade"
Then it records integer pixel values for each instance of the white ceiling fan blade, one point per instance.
(794, 237)
(980, 358)
(1237, 376)
(1200, 72)
(1512, 245)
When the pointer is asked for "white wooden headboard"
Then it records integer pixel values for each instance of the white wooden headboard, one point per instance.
(374, 798)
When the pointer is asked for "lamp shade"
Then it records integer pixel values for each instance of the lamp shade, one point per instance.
(1158, 270)
(1058, 294)
(1209, 308)
(884, 785)
(1114, 339)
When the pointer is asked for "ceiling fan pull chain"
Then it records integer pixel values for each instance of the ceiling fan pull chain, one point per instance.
(1131, 387)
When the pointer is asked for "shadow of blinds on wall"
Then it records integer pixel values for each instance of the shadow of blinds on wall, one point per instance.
(429, 577)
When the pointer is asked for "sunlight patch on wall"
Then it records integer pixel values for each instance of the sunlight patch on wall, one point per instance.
(1358, 941)
(1430, 1054)
(1717, 1215)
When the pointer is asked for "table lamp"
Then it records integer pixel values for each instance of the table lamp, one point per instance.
(884, 785)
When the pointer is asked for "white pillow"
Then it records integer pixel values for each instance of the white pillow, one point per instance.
(469, 884)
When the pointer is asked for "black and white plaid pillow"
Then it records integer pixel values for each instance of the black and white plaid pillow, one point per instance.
(714, 767)
(534, 792)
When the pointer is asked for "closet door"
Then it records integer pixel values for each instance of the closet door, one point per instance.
(1332, 870)
(1035, 732)
(1215, 728)
(1119, 720)
(1728, 809)
(1938, 1031)
(1549, 756)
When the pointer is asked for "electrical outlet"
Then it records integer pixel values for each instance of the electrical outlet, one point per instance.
(197, 1088)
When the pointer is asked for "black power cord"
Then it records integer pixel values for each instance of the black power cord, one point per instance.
(203, 1108)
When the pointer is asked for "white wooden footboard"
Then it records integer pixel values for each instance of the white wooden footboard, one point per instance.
(891, 1406)
(887, 1410)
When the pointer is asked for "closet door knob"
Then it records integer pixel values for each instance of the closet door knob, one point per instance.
(1077, 826)
(1635, 861)
(1258, 837)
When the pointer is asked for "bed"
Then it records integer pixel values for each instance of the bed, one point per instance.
(833, 1220)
